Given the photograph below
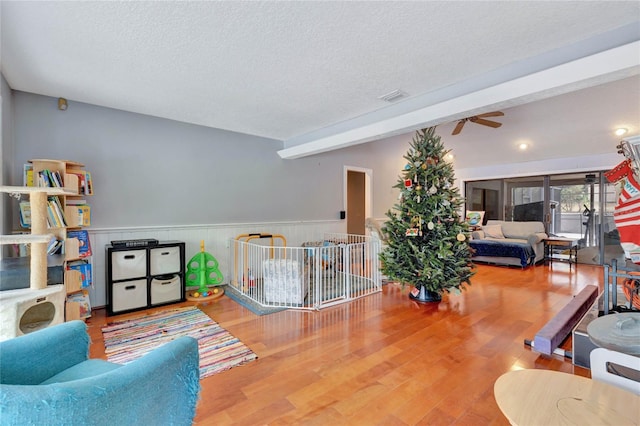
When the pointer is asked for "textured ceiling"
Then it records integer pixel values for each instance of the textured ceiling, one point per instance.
(284, 70)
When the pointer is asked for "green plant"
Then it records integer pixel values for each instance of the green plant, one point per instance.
(427, 243)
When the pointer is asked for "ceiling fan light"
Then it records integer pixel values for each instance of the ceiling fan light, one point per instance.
(621, 131)
(479, 119)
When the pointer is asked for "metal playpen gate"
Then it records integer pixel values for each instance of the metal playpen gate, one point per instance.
(318, 274)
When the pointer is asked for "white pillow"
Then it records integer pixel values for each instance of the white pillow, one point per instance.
(493, 231)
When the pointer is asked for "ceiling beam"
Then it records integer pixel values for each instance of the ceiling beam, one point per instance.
(592, 70)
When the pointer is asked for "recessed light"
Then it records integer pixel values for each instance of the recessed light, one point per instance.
(621, 131)
(523, 146)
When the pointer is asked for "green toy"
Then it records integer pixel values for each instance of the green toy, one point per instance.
(202, 271)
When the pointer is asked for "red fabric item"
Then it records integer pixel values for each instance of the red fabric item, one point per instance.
(626, 215)
(630, 190)
(619, 172)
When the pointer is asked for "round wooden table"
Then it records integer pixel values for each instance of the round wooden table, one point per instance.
(543, 397)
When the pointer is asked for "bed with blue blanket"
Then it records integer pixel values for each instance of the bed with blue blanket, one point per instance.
(505, 253)
(511, 243)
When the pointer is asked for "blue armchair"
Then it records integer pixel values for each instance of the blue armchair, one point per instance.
(46, 378)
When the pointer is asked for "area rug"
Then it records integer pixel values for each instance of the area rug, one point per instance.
(130, 339)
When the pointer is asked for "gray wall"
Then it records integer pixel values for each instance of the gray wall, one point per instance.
(6, 154)
(6, 136)
(150, 171)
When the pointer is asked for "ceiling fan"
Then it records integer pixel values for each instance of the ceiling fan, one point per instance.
(479, 119)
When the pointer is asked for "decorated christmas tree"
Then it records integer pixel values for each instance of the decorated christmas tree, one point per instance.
(427, 242)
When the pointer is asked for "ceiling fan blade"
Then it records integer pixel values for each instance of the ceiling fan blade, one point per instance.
(458, 127)
(491, 114)
(489, 123)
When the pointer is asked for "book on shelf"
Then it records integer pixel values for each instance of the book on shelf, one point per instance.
(55, 215)
(76, 201)
(51, 217)
(49, 179)
(54, 246)
(43, 179)
(81, 182)
(27, 177)
(56, 178)
(81, 214)
(85, 215)
(85, 185)
(57, 211)
(89, 183)
(83, 239)
(84, 267)
(21, 249)
(84, 305)
(25, 214)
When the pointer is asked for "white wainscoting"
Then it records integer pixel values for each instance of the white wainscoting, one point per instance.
(216, 239)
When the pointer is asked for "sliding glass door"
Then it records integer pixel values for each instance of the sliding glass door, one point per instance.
(577, 206)
(582, 209)
(525, 199)
(573, 208)
(486, 196)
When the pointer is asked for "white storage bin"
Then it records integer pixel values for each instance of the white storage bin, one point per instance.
(165, 260)
(165, 289)
(129, 295)
(128, 264)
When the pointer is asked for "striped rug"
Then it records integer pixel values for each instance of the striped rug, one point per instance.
(219, 350)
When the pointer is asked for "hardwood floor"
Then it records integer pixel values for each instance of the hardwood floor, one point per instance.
(383, 359)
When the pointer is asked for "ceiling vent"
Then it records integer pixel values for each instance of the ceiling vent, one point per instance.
(393, 96)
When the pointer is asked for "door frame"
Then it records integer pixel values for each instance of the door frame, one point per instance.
(368, 178)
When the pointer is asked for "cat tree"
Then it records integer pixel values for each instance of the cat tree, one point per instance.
(26, 310)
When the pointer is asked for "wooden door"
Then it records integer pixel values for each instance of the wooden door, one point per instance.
(356, 190)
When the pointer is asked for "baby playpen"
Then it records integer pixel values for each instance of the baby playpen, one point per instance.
(318, 274)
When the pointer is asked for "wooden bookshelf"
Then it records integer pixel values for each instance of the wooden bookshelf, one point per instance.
(68, 181)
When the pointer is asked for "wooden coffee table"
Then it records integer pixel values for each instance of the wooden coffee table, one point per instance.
(561, 249)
